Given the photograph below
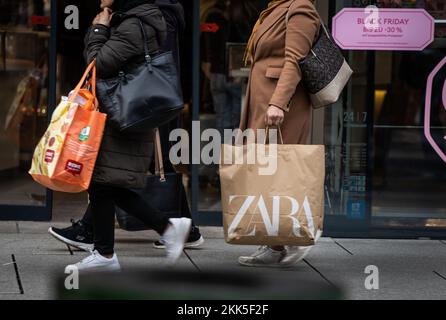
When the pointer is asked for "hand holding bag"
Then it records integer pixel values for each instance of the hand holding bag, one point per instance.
(145, 97)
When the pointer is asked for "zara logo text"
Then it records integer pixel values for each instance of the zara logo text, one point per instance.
(272, 221)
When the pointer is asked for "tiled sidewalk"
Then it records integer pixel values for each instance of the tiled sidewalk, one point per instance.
(407, 269)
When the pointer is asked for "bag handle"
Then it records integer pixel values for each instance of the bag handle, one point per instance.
(91, 66)
(158, 37)
(145, 45)
(145, 40)
(287, 19)
(92, 82)
(159, 163)
(90, 69)
(267, 135)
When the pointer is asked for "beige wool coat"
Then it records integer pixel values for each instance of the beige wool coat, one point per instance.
(275, 77)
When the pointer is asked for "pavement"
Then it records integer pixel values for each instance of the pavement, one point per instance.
(408, 269)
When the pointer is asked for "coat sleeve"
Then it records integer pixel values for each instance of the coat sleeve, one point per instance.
(113, 50)
(303, 25)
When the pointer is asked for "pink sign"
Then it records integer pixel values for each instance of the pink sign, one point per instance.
(383, 29)
(428, 111)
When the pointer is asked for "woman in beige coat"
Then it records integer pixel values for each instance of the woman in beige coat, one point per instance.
(276, 95)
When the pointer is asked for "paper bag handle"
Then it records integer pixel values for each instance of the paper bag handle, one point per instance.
(159, 164)
(267, 135)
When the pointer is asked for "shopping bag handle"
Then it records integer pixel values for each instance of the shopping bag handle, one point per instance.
(159, 164)
(92, 82)
(267, 135)
(90, 69)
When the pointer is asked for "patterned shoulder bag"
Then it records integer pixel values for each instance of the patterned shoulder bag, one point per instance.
(325, 71)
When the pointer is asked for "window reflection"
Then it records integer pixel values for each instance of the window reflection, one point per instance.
(226, 28)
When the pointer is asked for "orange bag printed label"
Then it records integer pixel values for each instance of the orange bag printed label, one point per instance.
(74, 167)
(65, 157)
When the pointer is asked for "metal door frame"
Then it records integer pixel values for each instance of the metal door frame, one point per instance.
(201, 217)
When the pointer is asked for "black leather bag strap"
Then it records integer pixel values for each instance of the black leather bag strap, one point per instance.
(141, 23)
(147, 56)
(145, 41)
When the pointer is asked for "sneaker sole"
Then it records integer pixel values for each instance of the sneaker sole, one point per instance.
(101, 269)
(187, 245)
(77, 245)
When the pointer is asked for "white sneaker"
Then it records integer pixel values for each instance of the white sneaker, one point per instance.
(297, 254)
(97, 263)
(175, 237)
(263, 257)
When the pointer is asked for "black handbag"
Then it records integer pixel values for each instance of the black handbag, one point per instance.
(162, 191)
(325, 73)
(146, 96)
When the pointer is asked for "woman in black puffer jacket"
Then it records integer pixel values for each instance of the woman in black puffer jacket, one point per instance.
(115, 40)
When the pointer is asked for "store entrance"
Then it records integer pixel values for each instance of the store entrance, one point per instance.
(409, 180)
(384, 177)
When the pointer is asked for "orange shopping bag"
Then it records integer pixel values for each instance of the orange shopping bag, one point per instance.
(65, 157)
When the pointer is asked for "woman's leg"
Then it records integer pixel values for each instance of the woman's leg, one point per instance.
(87, 219)
(135, 205)
(102, 208)
(185, 210)
(103, 200)
(174, 231)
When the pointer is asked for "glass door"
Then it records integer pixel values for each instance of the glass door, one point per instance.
(225, 27)
(24, 105)
(384, 177)
(409, 180)
(347, 137)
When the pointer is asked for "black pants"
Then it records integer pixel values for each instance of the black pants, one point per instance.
(87, 219)
(101, 211)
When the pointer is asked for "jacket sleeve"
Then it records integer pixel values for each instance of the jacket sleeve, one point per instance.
(113, 50)
(303, 25)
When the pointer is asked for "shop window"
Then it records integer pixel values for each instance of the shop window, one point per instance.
(24, 57)
(381, 170)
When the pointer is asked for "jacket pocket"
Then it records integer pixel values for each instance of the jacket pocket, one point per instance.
(273, 72)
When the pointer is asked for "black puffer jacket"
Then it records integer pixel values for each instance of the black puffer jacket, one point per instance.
(124, 159)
